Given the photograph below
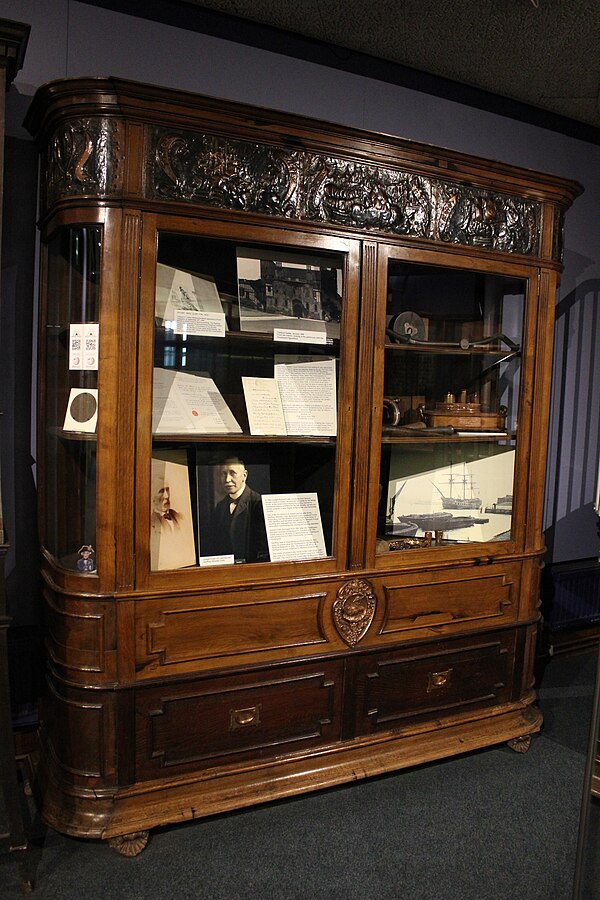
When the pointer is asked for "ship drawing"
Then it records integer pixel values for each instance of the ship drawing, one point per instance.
(399, 528)
(502, 506)
(441, 521)
(461, 491)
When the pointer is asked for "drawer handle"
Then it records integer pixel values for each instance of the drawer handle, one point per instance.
(439, 679)
(240, 718)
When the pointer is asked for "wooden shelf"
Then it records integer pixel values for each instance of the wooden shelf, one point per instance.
(247, 337)
(420, 438)
(454, 351)
(235, 438)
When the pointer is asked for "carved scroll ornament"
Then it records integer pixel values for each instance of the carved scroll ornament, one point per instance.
(84, 157)
(353, 610)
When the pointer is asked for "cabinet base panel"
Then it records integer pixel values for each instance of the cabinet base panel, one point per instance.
(151, 804)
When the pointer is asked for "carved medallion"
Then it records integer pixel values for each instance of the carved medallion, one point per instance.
(353, 610)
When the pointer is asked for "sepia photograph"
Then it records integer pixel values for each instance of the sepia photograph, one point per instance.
(172, 543)
(471, 501)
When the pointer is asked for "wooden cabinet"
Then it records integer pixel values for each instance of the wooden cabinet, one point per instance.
(293, 410)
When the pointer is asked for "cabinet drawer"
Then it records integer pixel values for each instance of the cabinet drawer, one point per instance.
(403, 687)
(223, 720)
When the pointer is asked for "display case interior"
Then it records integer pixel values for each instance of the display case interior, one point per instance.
(70, 391)
(451, 384)
(245, 398)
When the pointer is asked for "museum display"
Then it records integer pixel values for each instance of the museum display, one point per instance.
(306, 449)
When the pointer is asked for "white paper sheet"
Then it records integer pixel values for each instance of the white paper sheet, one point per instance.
(82, 410)
(263, 404)
(177, 289)
(183, 402)
(208, 324)
(307, 387)
(300, 336)
(294, 528)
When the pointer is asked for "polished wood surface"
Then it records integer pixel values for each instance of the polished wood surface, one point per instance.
(178, 694)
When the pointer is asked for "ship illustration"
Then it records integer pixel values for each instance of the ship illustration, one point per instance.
(399, 528)
(407, 525)
(461, 491)
(441, 521)
(502, 506)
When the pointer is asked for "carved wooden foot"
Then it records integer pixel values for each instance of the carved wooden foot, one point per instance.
(520, 744)
(129, 844)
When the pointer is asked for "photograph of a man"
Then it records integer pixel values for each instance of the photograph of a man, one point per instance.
(163, 515)
(171, 536)
(238, 525)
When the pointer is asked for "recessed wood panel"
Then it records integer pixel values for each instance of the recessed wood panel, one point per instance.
(223, 720)
(444, 601)
(169, 637)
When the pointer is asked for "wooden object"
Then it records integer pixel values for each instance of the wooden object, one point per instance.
(183, 693)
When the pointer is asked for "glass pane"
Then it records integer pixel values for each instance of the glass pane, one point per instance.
(71, 396)
(450, 406)
(246, 368)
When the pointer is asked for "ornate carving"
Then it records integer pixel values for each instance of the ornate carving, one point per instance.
(520, 744)
(369, 197)
(84, 157)
(484, 219)
(300, 185)
(353, 610)
(558, 242)
(229, 174)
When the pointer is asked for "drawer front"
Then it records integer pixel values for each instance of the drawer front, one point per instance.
(401, 688)
(223, 720)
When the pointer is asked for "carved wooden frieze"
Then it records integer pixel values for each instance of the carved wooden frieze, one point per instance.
(225, 173)
(353, 610)
(301, 185)
(85, 157)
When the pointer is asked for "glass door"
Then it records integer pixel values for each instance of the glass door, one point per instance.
(252, 379)
(69, 394)
(449, 392)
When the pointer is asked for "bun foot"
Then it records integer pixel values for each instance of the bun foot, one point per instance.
(129, 844)
(520, 744)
